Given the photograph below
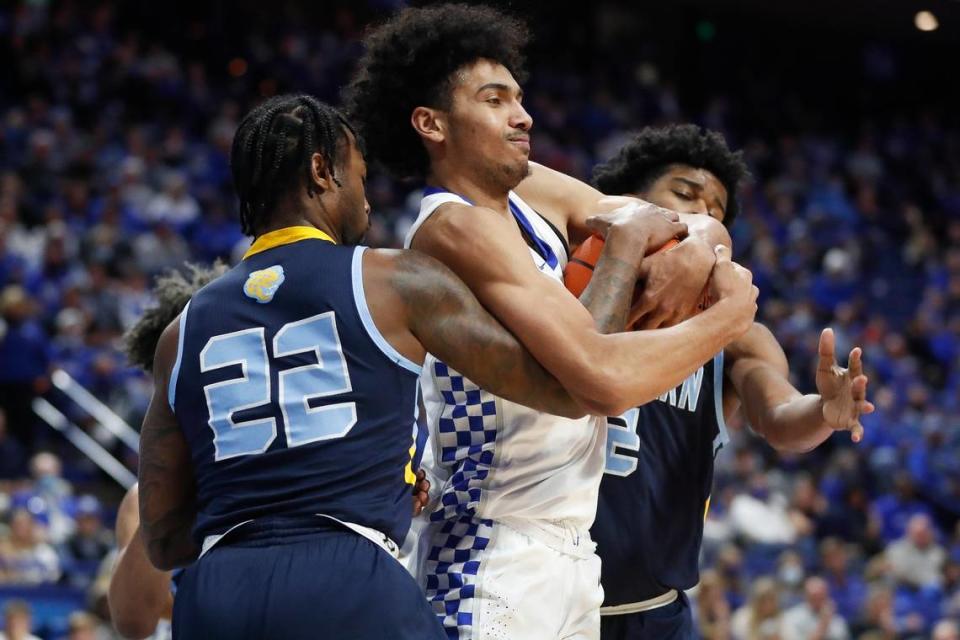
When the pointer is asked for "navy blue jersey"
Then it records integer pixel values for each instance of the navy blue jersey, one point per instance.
(656, 487)
(291, 401)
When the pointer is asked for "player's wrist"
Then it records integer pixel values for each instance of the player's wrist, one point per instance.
(625, 245)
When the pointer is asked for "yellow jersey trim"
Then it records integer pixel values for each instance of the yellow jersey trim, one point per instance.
(287, 235)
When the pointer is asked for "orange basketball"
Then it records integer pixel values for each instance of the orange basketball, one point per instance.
(580, 268)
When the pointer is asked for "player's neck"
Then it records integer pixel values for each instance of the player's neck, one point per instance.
(479, 192)
(298, 218)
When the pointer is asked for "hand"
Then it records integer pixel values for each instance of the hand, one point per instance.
(732, 283)
(673, 284)
(843, 391)
(421, 492)
(635, 228)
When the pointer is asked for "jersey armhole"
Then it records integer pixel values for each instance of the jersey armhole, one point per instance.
(175, 374)
(360, 301)
(723, 438)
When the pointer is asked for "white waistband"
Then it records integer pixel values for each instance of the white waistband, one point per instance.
(637, 607)
(382, 540)
(560, 535)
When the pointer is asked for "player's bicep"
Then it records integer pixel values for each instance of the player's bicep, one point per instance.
(451, 324)
(489, 255)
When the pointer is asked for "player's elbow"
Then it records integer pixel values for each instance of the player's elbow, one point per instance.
(604, 395)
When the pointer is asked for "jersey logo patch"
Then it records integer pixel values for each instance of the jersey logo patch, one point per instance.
(263, 284)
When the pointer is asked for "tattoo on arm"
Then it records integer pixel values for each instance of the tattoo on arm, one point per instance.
(167, 486)
(450, 323)
(609, 294)
(167, 492)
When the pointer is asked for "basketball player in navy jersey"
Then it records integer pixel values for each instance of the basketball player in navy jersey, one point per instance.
(660, 455)
(275, 453)
(508, 551)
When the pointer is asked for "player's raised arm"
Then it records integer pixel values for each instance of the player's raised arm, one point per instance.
(757, 369)
(607, 373)
(167, 489)
(441, 315)
(139, 594)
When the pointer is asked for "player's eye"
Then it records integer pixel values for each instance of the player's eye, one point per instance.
(683, 196)
(494, 100)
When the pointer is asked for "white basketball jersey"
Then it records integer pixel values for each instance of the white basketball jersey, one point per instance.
(495, 459)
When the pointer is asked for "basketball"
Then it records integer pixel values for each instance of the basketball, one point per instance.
(579, 270)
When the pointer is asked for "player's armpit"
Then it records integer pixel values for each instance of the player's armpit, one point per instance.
(605, 374)
(566, 201)
(446, 319)
(167, 487)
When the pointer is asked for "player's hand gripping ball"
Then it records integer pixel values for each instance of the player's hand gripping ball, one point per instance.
(579, 270)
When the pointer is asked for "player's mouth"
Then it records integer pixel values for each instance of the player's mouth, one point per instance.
(523, 142)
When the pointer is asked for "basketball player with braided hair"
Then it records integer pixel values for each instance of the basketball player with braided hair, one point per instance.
(275, 461)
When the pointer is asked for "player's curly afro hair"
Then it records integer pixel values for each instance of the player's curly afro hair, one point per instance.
(651, 152)
(173, 291)
(410, 62)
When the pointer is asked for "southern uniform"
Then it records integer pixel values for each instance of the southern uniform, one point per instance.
(299, 417)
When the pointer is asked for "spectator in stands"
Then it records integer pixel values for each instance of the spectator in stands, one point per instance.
(13, 457)
(25, 354)
(54, 492)
(916, 559)
(760, 618)
(17, 620)
(24, 557)
(816, 617)
(878, 617)
(91, 541)
(85, 626)
(713, 610)
(847, 588)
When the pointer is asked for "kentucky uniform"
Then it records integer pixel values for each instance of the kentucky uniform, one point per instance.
(299, 417)
(653, 500)
(507, 552)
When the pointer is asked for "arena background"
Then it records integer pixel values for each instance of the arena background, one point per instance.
(115, 125)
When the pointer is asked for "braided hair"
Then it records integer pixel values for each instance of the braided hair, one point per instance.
(272, 152)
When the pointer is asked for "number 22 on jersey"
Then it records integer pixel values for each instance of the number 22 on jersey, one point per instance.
(297, 386)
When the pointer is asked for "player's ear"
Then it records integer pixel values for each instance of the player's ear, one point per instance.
(320, 173)
(429, 123)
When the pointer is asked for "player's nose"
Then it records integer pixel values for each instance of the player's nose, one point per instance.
(520, 119)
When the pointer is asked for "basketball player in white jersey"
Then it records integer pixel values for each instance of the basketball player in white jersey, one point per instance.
(508, 554)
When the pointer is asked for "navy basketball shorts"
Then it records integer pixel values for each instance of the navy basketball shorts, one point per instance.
(669, 622)
(329, 584)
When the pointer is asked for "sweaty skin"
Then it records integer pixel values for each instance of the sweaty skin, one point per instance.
(756, 369)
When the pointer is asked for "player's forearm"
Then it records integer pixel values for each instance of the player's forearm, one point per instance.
(139, 594)
(795, 426)
(610, 292)
(636, 367)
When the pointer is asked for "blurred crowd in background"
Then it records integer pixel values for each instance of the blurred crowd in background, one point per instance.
(114, 166)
